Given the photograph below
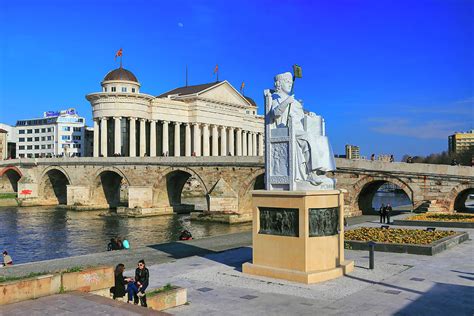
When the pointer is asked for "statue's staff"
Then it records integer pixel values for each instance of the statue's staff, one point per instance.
(297, 73)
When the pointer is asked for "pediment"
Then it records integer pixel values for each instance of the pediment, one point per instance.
(225, 93)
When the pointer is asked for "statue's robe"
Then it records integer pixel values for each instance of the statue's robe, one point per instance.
(314, 153)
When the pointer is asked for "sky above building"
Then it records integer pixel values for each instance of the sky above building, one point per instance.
(390, 76)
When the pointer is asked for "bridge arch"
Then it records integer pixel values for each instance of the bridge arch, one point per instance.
(256, 182)
(457, 197)
(364, 190)
(110, 188)
(181, 188)
(53, 185)
(9, 178)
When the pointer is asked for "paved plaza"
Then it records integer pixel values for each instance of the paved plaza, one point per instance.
(400, 284)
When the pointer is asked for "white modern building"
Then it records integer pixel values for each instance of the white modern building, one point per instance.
(211, 119)
(55, 134)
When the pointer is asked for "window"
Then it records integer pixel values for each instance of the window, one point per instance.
(29, 139)
(43, 146)
(37, 155)
(37, 146)
(21, 131)
(43, 130)
(29, 147)
(37, 130)
(77, 129)
(133, 89)
(124, 89)
(49, 129)
(49, 146)
(21, 147)
(50, 137)
(43, 138)
(76, 145)
(76, 137)
(29, 155)
(65, 137)
(66, 128)
(105, 89)
(21, 139)
(22, 155)
(29, 131)
(37, 139)
(113, 89)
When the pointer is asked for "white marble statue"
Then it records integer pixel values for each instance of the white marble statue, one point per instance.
(309, 156)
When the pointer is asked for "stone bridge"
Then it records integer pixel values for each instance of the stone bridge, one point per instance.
(167, 184)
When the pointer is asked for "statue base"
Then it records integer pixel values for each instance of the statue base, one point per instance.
(298, 236)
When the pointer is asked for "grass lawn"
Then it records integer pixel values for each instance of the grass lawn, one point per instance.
(396, 235)
(438, 217)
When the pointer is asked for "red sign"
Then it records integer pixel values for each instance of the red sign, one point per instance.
(25, 192)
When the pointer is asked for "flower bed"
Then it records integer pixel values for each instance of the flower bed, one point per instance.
(434, 217)
(396, 236)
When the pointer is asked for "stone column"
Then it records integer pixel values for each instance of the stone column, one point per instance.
(215, 141)
(152, 138)
(231, 141)
(187, 143)
(96, 138)
(249, 143)
(165, 139)
(103, 136)
(244, 143)
(117, 136)
(142, 137)
(197, 139)
(254, 144)
(223, 141)
(177, 139)
(133, 137)
(260, 144)
(205, 140)
(239, 142)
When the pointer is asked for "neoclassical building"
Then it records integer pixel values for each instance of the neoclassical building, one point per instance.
(211, 119)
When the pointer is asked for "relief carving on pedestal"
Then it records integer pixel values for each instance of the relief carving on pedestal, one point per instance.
(323, 221)
(279, 221)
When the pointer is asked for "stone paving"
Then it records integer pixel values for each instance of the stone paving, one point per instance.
(400, 284)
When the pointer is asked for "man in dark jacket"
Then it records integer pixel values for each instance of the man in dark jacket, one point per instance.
(382, 213)
(137, 289)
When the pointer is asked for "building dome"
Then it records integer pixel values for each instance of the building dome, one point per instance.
(120, 74)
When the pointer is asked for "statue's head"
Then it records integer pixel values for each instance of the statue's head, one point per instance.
(284, 82)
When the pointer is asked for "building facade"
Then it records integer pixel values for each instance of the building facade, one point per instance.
(460, 142)
(211, 119)
(9, 148)
(55, 134)
(352, 152)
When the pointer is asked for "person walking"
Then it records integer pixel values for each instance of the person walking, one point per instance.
(388, 209)
(382, 213)
(137, 289)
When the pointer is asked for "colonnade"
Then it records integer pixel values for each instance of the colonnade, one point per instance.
(199, 139)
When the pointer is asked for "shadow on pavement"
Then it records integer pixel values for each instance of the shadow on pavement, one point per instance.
(442, 299)
(232, 257)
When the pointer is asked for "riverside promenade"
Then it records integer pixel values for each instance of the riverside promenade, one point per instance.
(400, 284)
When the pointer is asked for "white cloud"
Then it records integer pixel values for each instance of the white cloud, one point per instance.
(180, 24)
(423, 129)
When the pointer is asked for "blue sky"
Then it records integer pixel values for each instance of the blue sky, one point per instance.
(390, 76)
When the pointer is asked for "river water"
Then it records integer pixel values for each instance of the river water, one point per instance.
(39, 233)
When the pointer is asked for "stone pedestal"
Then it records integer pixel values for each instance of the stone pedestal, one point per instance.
(298, 236)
